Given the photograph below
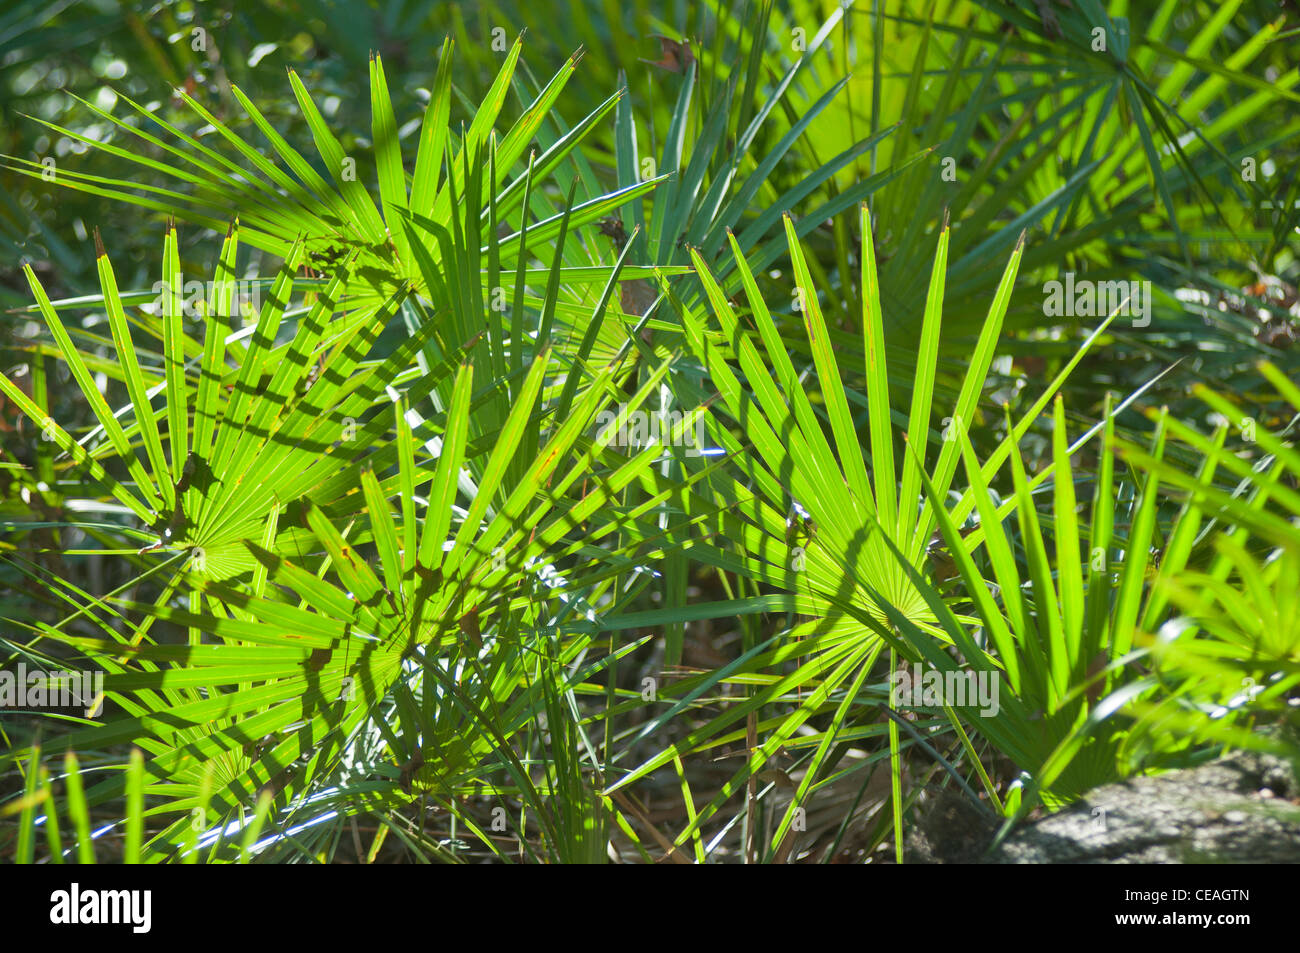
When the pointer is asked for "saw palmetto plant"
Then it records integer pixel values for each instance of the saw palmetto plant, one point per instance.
(1228, 649)
(437, 461)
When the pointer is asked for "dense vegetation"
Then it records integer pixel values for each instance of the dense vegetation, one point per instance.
(554, 442)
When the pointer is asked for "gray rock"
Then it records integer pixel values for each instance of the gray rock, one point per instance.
(1243, 808)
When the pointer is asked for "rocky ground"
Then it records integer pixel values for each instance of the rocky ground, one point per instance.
(1244, 808)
